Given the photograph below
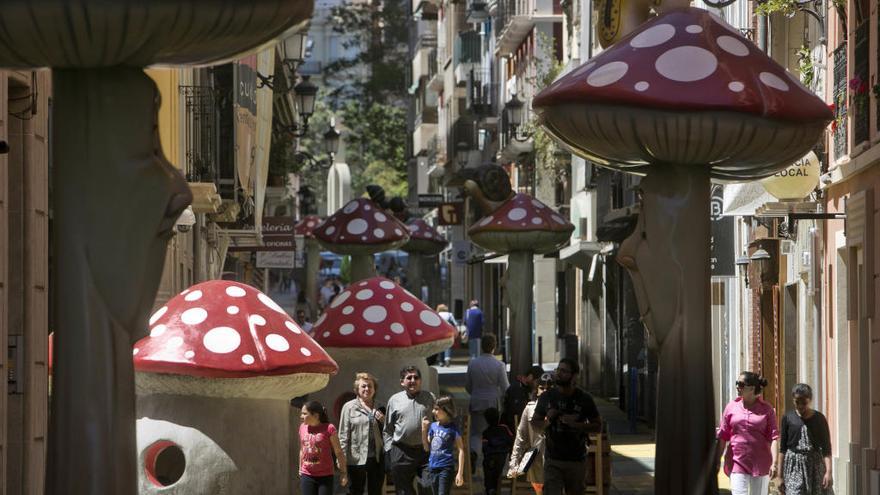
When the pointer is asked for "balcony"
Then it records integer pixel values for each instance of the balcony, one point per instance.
(200, 145)
(482, 93)
(424, 63)
(516, 18)
(839, 95)
(424, 132)
(468, 55)
(477, 11)
(859, 87)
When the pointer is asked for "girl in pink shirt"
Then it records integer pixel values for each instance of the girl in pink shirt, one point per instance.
(749, 425)
(316, 439)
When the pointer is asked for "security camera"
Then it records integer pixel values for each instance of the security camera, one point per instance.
(186, 220)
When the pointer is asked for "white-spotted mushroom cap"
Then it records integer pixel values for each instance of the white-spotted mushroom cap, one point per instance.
(522, 224)
(225, 339)
(138, 33)
(685, 88)
(361, 227)
(376, 317)
(423, 239)
(306, 227)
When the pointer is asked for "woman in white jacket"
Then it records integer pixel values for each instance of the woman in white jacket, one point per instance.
(529, 437)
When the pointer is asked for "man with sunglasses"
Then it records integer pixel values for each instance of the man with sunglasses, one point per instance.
(406, 459)
(567, 414)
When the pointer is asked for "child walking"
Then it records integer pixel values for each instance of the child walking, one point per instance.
(497, 444)
(316, 439)
(442, 438)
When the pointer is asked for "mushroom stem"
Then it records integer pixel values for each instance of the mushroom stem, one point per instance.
(363, 266)
(115, 201)
(414, 274)
(313, 265)
(667, 257)
(520, 278)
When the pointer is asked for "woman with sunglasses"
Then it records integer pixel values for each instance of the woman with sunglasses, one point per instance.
(749, 429)
(529, 437)
(805, 462)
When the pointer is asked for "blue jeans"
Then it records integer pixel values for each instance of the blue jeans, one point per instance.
(474, 347)
(442, 480)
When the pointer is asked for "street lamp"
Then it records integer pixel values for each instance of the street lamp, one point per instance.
(462, 152)
(331, 146)
(295, 50)
(306, 93)
(742, 263)
(761, 258)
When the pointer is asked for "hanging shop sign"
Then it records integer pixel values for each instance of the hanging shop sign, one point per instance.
(795, 182)
(723, 258)
(450, 213)
(277, 234)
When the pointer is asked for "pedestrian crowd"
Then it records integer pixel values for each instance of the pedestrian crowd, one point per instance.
(417, 440)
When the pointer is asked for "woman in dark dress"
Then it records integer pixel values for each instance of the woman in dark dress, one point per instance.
(805, 444)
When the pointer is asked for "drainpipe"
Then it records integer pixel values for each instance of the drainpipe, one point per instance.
(763, 28)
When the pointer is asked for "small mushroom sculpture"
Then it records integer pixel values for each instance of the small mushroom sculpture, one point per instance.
(521, 227)
(377, 326)
(115, 196)
(306, 228)
(684, 98)
(221, 354)
(424, 242)
(360, 229)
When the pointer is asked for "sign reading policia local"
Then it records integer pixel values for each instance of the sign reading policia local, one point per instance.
(795, 182)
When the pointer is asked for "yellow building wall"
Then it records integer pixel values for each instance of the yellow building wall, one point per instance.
(169, 112)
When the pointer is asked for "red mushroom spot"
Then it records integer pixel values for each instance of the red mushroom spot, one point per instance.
(226, 329)
(364, 316)
(362, 222)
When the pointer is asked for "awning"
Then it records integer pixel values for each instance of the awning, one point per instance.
(580, 253)
(744, 199)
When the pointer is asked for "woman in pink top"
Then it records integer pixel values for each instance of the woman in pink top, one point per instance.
(749, 425)
(316, 439)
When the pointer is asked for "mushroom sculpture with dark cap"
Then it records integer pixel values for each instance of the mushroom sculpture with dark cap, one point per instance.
(220, 354)
(306, 228)
(377, 326)
(521, 228)
(360, 229)
(116, 197)
(684, 99)
(424, 242)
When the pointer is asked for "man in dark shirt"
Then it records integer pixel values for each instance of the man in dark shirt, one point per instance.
(567, 414)
(518, 394)
(473, 321)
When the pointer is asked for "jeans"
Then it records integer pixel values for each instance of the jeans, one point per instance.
(744, 484)
(442, 480)
(317, 485)
(406, 464)
(474, 347)
(370, 476)
(564, 477)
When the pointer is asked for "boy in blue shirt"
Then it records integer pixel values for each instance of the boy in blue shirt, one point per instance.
(442, 438)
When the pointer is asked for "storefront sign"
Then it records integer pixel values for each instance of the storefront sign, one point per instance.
(723, 253)
(245, 108)
(795, 182)
(276, 259)
(277, 235)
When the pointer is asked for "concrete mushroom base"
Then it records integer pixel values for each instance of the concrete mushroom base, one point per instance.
(256, 436)
(258, 387)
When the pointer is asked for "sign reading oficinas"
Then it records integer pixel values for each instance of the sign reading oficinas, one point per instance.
(796, 181)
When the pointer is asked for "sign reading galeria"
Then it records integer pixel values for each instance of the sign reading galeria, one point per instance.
(796, 181)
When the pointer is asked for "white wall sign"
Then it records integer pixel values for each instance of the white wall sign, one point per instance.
(276, 259)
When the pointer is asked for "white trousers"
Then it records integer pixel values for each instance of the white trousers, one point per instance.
(744, 484)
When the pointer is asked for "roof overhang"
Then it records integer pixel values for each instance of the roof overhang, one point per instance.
(580, 253)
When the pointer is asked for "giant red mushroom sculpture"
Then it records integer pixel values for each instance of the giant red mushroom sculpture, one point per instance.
(115, 197)
(360, 229)
(306, 228)
(224, 358)
(377, 326)
(684, 98)
(521, 227)
(424, 241)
